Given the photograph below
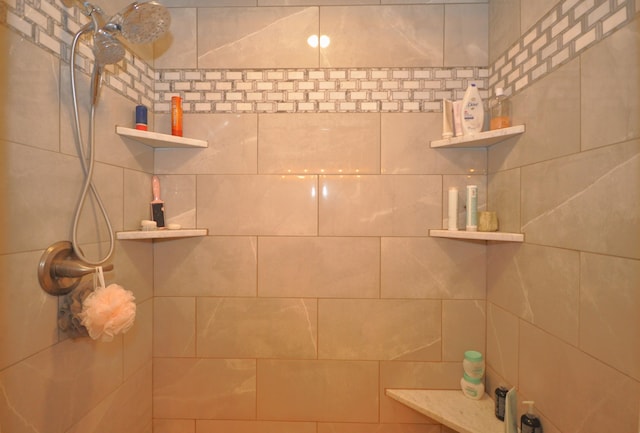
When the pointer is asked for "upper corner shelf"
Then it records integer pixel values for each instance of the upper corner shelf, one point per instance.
(155, 139)
(478, 236)
(481, 139)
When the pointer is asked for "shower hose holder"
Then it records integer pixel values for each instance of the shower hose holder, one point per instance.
(60, 270)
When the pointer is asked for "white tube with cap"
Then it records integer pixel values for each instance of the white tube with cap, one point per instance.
(452, 223)
(472, 208)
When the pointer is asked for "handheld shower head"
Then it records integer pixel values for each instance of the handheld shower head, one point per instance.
(106, 48)
(142, 23)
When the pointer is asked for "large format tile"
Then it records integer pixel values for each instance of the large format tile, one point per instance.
(176, 337)
(402, 330)
(466, 30)
(587, 201)
(610, 89)
(257, 37)
(549, 299)
(257, 328)
(502, 344)
(319, 267)
(609, 305)
(204, 388)
(178, 48)
(257, 205)
(207, 266)
(405, 147)
(463, 328)
(317, 390)
(323, 143)
(614, 397)
(379, 205)
(30, 94)
(429, 268)
(226, 426)
(504, 26)
(403, 36)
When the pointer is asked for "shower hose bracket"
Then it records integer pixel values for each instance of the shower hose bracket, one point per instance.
(60, 270)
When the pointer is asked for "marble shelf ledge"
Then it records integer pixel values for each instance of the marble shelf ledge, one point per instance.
(477, 236)
(161, 234)
(452, 409)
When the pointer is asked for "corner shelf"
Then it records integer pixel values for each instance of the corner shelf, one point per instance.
(478, 236)
(161, 234)
(452, 409)
(155, 139)
(481, 139)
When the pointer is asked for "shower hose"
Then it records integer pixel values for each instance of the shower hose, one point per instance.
(87, 155)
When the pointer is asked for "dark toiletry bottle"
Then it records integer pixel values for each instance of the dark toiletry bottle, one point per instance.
(529, 423)
(501, 399)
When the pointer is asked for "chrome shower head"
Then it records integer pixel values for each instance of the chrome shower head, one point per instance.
(142, 23)
(106, 48)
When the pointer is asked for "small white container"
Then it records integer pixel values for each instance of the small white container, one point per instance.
(472, 387)
(473, 364)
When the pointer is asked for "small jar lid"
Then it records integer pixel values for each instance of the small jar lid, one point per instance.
(473, 355)
(474, 380)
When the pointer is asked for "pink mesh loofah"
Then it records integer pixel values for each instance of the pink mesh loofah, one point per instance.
(108, 311)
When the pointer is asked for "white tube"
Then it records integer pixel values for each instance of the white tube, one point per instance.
(452, 223)
(457, 117)
(447, 119)
(472, 208)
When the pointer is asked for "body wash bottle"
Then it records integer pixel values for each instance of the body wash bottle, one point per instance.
(472, 111)
(529, 423)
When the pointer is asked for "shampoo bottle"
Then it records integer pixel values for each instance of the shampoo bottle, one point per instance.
(472, 118)
(529, 423)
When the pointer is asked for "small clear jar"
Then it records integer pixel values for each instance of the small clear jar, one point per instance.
(472, 387)
(473, 364)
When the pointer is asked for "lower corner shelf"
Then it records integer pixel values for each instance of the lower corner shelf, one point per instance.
(478, 236)
(161, 234)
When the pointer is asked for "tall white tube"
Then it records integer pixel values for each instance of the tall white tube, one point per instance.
(452, 223)
(472, 208)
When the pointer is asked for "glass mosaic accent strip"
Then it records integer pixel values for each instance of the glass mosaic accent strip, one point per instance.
(558, 37)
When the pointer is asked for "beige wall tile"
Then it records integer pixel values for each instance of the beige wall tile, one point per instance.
(378, 428)
(29, 313)
(564, 369)
(414, 375)
(549, 110)
(127, 409)
(133, 268)
(319, 267)
(611, 111)
(211, 426)
(232, 145)
(204, 388)
(585, 193)
(257, 37)
(208, 266)
(503, 197)
(174, 426)
(258, 205)
(257, 328)
(403, 329)
(379, 205)
(609, 305)
(430, 268)
(136, 198)
(531, 12)
(174, 330)
(549, 298)
(403, 36)
(463, 328)
(502, 345)
(32, 97)
(504, 26)
(327, 391)
(178, 48)
(137, 341)
(405, 147)
(466, 30)
(327, 143)
(68, 379)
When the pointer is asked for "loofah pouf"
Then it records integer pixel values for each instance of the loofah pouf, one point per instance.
(108, 311)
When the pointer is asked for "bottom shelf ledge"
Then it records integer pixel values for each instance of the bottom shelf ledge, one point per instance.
(161, 234)
(478, 236)
(452, 408)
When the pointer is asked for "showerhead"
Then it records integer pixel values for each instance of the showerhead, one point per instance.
(142, 23)
(106, 48)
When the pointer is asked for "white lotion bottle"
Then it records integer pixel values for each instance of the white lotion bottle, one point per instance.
(472, 118)
(452, 223)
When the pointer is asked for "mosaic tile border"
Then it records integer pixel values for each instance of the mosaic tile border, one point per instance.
(558, 37)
